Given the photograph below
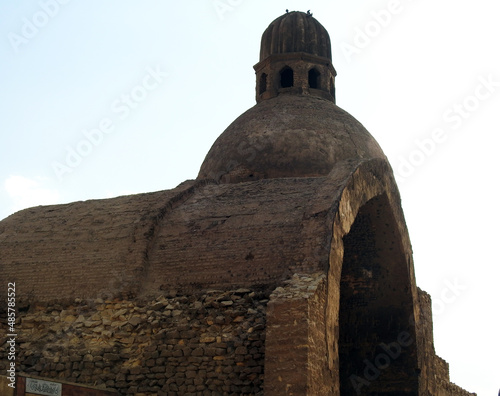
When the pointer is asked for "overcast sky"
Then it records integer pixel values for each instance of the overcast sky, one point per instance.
(105, 98)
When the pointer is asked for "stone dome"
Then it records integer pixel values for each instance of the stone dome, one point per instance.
(295, 129)
(288, 136)
(296, 32)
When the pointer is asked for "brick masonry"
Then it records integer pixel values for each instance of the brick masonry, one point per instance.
(285, 268)
(167, 293)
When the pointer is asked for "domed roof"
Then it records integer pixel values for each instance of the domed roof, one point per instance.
(288, 136)
(295, 129)
(295, 32)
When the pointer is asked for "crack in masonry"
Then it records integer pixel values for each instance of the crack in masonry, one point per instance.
(156, 226)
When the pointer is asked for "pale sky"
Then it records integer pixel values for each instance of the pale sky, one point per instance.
(105, 98)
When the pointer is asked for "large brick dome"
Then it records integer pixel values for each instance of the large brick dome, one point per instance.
(296, 129)
(288, 136)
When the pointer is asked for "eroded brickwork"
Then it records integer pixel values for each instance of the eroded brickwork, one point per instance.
(295, 338)
(435, 374)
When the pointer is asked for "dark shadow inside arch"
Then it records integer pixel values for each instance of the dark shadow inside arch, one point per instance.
(314, 79)
(263, 83)
(286, 77)
(377, 348)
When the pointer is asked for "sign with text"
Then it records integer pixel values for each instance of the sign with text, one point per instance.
(40, 387)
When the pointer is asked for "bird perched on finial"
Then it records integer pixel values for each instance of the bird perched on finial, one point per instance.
(309, 13)
(287, 10)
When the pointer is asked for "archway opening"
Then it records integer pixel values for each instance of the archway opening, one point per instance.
(377, 347)
(313, 77)
(286, 77)
(262, 83)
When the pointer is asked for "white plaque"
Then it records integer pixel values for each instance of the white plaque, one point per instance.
(40, 387)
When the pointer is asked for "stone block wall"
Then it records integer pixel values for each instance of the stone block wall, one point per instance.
(206, 344)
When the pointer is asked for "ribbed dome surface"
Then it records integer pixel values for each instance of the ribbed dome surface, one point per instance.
(288, 136)
(295, 32)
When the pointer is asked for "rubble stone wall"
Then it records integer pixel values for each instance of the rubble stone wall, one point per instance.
(209, 344)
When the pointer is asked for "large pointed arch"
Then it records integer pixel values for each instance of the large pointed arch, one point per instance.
(376, 340)
(372, 297)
